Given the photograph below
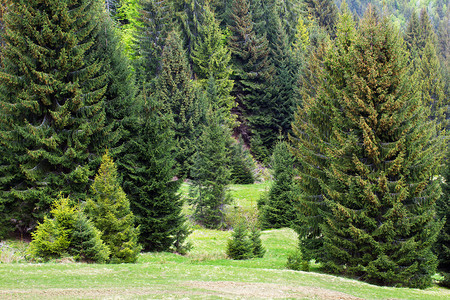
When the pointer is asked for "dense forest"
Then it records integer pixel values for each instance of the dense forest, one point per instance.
(107, 107)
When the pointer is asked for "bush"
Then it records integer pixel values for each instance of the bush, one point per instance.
(296, 262)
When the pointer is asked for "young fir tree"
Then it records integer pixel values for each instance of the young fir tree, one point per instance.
(239, 246)
(51, 106)
(150, 180)
(182, 99)
(252, 70)
(258, 250)
(68, 232)
(382, 155)
(210, 171)
(211, 60)
(280, 207)
(241, 164)
(109, 209)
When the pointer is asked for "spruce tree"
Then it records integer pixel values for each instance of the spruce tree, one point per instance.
(382, 156)
(155, 23)
(182, 99)
(242, 163)
(109, 209)
(253, 71)
(325, 12)
(211, 60)
(280, 207)
(442, 248)
(51, 106)
(150, 179)
(239, 246)
(211, 171)
(258, 250)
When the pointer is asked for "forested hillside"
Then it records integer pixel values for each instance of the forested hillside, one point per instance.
(108, 106)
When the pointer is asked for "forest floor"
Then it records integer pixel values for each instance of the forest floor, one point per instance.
(204, 273)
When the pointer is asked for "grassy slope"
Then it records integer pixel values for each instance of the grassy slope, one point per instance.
(205, 272)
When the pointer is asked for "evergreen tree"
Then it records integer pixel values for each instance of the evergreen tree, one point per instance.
(211, 60)
(252, 69)
(109, 209)
(211, 172)
(239, 246)
(442, 248)
(181, 99)
(149, 180)
(68, 232)
(241, 164)
(325, 12)
(51, 106)
(256, 243)
(280, 207)
(382, 154)
(155, 23)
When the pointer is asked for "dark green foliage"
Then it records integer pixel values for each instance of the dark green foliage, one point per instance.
(86, 242)
(239, 246)
(109, 209)
(376, 202)
(296, 262)
(69, 232)
(211, 172)
(325, 12)
(252, 70)
(179, 97)
(280, 207)
(241, 164)
(442, 248)
(51, 106)
(255, 240)
(150, 180)
(156, 21)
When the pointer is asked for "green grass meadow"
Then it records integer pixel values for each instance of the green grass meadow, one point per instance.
(205, 273)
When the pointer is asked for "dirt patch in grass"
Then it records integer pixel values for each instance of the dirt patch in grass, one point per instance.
(267, 290)
(194, 289)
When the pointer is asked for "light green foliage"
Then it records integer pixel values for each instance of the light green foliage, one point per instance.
(211, 61)
(68, 232)
(109, 209)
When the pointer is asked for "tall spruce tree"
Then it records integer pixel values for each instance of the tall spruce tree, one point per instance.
(150, 179)
(182, 99)
(109, 209)
(211, 171)
(250, 55)
(51, 106)
(156, 21)
(442, 248)
(325, 12)
(381, 157)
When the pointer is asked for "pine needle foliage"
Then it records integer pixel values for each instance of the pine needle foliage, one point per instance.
(51, 106)
(239, 247)
(377, 205)
(280, 207)
(109, 209)
(68, 232)
(150, 180)
(211, 171)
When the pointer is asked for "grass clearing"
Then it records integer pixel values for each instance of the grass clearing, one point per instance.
(203, 273)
